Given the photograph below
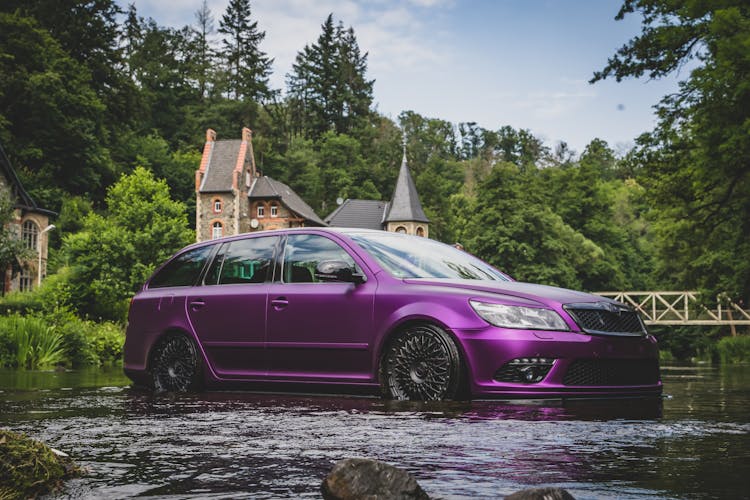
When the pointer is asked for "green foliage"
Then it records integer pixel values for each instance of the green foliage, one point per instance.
(29, 468)
(32, 343)
(249, 67)
(50, 116)
(327, 87)
(685, 343)
(694, 164)
(115, 253)
(526, 239)
(734, 349)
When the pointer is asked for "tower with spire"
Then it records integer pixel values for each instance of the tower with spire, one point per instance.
(403, 214)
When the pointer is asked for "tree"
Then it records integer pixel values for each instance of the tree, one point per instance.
(327, 87)
(248, 66)
(202, 53)
(114, 253)
(518, 234)
(695, 166)
(51, 119)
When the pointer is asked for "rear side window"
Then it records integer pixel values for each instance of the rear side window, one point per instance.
(304, 252)
(243, 261)
(183, 270)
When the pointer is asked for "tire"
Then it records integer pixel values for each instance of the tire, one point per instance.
(421, 364)
(175, 366)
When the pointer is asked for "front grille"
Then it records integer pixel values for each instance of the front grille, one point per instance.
(604, 321)
(610, 372)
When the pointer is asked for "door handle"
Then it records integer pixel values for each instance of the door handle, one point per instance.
(197, 304)
(279, 303)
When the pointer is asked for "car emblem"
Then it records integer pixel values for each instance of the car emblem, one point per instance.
(613, 308)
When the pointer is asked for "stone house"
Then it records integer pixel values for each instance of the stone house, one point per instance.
(232, 197)
(31, 223)
(403, 214)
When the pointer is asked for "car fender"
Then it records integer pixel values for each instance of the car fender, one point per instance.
(418, 312)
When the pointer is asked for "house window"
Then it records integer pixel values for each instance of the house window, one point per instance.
(217, 206)
(401, 229)
(274, 210)
(25, 280)
(420, 231)
(261, 211)
(217, 230)
(30, 234)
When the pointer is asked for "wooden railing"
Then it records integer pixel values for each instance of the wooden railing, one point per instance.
(682, 308)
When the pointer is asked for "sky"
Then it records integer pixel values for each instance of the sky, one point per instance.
(523, 63)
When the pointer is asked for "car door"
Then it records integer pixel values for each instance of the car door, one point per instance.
(318, 330)
(228, 311)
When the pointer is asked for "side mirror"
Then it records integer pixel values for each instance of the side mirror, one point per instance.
(338, 270)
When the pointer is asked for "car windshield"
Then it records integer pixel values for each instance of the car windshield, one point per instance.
(417, 257)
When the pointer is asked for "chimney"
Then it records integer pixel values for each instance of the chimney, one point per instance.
(247, 134)
(210, 135)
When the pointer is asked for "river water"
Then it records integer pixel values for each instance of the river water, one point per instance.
(694, 443)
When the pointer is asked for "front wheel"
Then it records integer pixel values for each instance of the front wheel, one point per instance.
(175, 366)
(422, 363)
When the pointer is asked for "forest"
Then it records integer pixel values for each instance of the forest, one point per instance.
(103, 115)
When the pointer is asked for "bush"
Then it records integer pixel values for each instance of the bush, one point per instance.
(734, 349)
(56, 338)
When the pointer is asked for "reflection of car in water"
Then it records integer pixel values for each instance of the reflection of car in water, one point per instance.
(358, 310)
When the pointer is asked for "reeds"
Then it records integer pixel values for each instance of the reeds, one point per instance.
(34, 343)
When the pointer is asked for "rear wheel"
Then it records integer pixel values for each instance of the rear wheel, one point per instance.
(175, 366)
(422, 363)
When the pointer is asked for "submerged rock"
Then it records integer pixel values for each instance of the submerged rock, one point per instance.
(29, 468)
(541, 494)
(362, 478)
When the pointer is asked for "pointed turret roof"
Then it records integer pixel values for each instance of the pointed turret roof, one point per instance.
(405, 205)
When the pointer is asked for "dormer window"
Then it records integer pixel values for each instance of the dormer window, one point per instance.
(217, 206)
(261, 211)
(274, 210)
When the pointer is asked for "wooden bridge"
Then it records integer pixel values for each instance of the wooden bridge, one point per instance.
(683, 308)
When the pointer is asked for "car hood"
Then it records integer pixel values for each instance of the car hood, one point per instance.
(543, 294)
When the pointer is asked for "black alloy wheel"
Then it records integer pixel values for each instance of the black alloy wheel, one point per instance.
(175, 366)
(423, 364)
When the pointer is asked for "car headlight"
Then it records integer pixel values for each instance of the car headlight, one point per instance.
(531, 318)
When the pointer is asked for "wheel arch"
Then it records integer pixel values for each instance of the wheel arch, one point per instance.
(403, 325)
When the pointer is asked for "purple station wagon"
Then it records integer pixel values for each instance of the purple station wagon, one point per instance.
(373, 311)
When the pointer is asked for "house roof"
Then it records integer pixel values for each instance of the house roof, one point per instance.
(23, 199)
(265, 187)
(364, 214)
(405, 205)
(220, 167)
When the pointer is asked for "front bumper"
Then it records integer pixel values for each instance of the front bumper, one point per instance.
(490, 349)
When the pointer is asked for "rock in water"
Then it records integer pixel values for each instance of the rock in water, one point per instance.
(541, 494)
(366, 479)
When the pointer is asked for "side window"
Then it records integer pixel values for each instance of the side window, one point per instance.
(243, 261)
(303, 252)
(182, 270)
